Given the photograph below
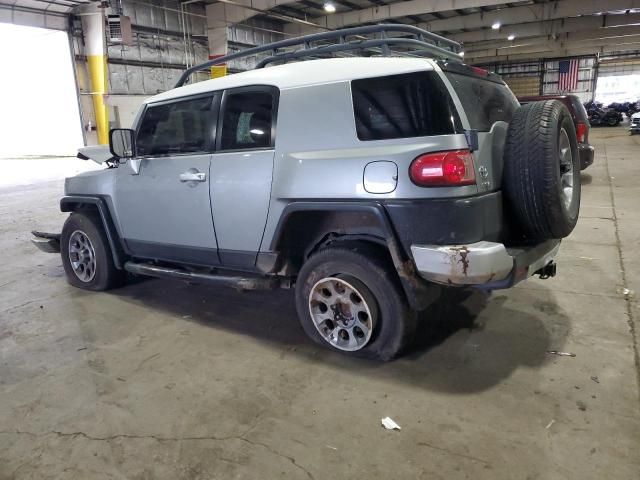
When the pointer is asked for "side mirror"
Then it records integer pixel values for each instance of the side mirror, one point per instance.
(122, 143)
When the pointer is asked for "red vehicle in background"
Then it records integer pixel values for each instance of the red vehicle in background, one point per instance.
(580, 120)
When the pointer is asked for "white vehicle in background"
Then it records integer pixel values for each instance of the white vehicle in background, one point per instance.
(634, 126)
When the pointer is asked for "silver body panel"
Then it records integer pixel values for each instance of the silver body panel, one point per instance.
(155, 206)
(240, 191)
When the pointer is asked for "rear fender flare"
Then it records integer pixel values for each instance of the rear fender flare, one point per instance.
(337, 221)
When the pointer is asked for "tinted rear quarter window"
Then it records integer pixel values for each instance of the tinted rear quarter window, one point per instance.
(403, 106)
(484, 101)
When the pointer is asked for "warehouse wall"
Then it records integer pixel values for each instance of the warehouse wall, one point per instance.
(253, 33)
(522, 78)
(541, 77)
(586, 78)
(165, 42)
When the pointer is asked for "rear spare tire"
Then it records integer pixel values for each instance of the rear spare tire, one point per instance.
(542, 170)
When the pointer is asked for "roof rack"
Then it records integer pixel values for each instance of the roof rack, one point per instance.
(423, 42)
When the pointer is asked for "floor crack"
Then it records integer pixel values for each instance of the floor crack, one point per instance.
(623, 273)
(456, 454)
(157, 438)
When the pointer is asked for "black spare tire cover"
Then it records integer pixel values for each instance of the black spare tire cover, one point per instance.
(542, 170)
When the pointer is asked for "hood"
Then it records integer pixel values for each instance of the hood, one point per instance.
(636, 115)
(97, 153)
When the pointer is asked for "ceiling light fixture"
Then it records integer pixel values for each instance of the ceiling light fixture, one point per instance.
(329, 7)
(496, 25)
(511, 37)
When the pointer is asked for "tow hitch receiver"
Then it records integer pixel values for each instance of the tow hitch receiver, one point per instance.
(47, 242)
(548, 271)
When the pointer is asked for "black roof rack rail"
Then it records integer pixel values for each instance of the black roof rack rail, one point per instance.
(425, 44)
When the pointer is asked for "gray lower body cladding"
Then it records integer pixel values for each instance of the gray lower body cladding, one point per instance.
(450, 221)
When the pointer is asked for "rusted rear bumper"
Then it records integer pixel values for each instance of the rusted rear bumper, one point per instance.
(486, 264)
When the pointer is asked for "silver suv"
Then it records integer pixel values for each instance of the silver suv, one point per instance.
(365, 182)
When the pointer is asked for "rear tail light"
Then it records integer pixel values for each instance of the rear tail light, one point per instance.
(581, 132)
(443, 169)
(480, 71)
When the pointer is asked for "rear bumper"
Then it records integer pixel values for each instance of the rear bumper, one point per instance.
(486, 264)
(586, 152)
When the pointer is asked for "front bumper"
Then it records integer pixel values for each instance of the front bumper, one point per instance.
(634, 128)
(47, 242)
(586, 152)
(486, 264)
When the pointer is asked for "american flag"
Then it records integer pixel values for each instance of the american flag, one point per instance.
(568, 75)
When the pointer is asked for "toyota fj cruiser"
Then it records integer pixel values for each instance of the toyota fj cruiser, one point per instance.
(365, 182)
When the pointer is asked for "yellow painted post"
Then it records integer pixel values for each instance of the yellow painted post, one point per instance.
(93, 29)
(218, 71)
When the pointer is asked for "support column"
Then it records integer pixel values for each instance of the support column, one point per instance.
(217, 27)
(93, 28)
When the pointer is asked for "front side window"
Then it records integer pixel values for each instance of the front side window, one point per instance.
(403, 106)
(246, 121)
(176, 128)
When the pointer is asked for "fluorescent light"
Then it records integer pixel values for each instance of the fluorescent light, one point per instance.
(496, 25)
(329, 7)
(511, 37)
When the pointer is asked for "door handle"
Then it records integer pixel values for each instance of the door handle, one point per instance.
(193, 176)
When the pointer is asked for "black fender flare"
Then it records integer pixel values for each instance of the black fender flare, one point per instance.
(369, 215)
(75, 203)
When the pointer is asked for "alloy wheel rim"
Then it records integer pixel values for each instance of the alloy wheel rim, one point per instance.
(82, 256)
(566, 168)
(341, 313)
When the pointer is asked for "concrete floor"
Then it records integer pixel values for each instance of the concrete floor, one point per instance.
(159, 380)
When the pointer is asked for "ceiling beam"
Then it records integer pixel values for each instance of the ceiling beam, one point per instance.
(609, 34)
(549, 27)
(551, 46)
(562, 53)
(390, 11)
(227, 12)
(529, 13)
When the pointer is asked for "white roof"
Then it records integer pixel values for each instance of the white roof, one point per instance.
(310, 72)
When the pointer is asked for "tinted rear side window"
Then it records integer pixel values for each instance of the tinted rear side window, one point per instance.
(178, 127)
(403, 106)
(485, 102)
(247, 121)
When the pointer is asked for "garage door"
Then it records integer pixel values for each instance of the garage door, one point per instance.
(618, 80)
(50, 14)
(523, 85)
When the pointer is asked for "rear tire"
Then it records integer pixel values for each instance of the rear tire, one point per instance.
(86, 256)
(542, 170)
(363, 312)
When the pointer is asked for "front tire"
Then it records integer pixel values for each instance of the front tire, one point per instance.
(86, 256)
(349, 299)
